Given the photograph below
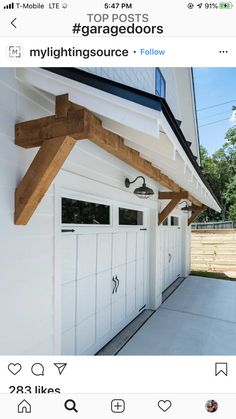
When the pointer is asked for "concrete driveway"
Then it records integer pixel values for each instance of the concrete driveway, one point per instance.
(199, 318)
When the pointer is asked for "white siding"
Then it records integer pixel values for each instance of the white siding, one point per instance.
(26, 252)
(179, 91)
(27, 272)
(180, 98)
(27, 280)
(187, 104)
(142, 78)
(172, 91)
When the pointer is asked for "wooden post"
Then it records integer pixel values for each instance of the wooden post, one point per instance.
(45, 166)
(62, 105)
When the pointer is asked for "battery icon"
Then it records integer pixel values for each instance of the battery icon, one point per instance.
(228, 5)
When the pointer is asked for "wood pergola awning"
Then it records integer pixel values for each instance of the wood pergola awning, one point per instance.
(56, 136)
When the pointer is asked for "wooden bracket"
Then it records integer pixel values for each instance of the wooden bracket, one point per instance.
(175, 198)
(45, 166)
(195, 213)
(168, 209)
(56, 136)
(184, 195)
(173, 195)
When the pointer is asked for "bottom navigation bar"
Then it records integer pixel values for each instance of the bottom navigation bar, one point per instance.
(104, 406)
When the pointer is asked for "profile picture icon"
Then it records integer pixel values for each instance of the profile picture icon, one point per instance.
(211, 406)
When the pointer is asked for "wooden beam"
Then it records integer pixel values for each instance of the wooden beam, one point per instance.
(168, 183)
(82, 124)
(173, 195)
(74, 107)
(195, 214)
(114, 144)
(39, 176)
(167, 210)
(62, 105)
(194, 200)
(70, 123)
(79, 123)
(35, 132)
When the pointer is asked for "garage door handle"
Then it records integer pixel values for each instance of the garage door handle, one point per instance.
(117, 284)
(170, 257)
(114, 289)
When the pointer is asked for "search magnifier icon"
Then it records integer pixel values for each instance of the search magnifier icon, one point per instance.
(70, 405)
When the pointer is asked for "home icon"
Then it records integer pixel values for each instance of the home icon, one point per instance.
(24, 407)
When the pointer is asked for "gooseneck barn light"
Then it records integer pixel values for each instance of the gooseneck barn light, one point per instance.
(186, 208)
(143, 192)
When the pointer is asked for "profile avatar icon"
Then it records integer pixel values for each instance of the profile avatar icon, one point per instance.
(211, 406)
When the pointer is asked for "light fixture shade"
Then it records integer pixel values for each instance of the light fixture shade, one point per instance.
(143, 192)
(186, 208)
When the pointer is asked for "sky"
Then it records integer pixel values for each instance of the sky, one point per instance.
(214, 86)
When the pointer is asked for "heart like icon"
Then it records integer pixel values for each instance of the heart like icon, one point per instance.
(164, 405)
(14, 368)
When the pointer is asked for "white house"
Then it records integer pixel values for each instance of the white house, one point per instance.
(81, 254)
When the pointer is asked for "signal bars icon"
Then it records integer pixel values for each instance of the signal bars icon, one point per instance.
(9, 6)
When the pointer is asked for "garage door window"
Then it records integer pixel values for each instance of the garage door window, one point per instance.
(130, 217)
(83, 212)
(174, 221)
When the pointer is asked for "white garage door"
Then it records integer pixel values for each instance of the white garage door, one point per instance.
(104, 281)
(171, 250)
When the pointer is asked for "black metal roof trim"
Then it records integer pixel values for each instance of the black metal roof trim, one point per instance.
(134, 95)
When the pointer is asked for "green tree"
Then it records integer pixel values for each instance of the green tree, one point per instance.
(230, 196)
(230, 136)
(232, 212)
(211, 170)
(220, 171)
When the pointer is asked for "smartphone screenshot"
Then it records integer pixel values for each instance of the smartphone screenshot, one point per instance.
(117, 209)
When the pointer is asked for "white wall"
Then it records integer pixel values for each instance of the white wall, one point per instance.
(187, 107)
(179, 91)
(26, 252)
(180, 98)
(172, 93)
(29, 296)
(188, 250)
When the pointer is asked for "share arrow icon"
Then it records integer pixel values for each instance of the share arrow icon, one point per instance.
(60, 367)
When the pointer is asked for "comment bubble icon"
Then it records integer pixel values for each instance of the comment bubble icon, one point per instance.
(37, 369)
